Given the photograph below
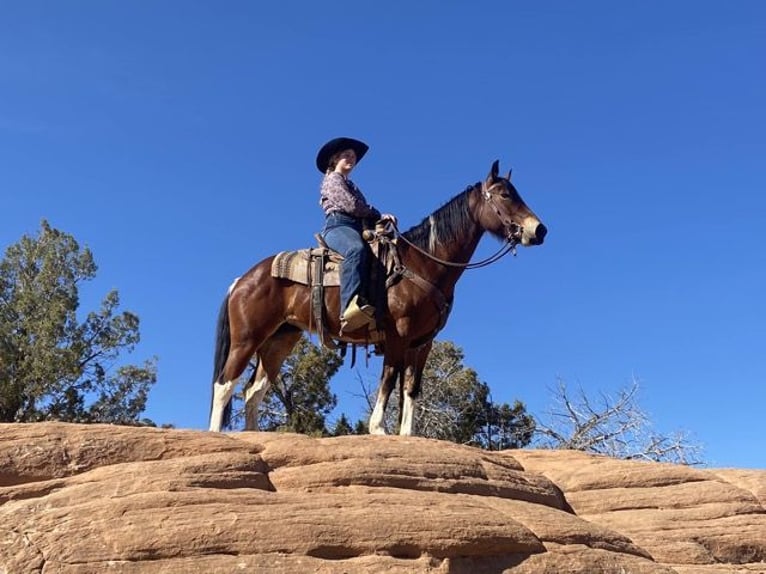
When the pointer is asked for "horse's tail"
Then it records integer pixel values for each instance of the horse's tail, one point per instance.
(222, 347)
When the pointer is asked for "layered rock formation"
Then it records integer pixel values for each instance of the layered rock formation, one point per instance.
(79, 499)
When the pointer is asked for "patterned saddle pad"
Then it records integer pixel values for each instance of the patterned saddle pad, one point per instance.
(299, 266)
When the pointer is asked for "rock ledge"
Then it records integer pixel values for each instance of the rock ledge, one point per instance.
(83, 499)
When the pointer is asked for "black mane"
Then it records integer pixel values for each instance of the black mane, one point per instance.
(451, 222)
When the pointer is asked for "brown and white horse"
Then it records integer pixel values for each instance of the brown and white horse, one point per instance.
(264, 317)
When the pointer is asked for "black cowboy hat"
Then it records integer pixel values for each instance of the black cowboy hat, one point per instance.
(337, 145)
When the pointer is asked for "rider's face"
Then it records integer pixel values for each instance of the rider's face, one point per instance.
(346, 161)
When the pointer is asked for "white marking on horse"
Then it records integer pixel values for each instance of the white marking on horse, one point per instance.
(221, 395)
(253, 397)
(408, 415)
(376, 418)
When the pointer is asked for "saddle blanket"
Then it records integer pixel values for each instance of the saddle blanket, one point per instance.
(300, 266)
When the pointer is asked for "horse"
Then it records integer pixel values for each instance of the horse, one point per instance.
(263, 317)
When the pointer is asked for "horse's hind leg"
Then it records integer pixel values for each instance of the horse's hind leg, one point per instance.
(223, 388)
(271, 355)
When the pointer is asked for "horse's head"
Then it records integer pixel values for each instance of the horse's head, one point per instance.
(504, 214)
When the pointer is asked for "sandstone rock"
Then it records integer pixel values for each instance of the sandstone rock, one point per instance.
(694, 520)
(80, 499)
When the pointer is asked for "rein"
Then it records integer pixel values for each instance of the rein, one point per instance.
(509, 247)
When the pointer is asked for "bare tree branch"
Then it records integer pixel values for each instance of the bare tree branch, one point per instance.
(616, 426)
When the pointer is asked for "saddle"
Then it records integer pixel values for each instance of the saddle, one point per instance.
(301, 266)
(319, 267)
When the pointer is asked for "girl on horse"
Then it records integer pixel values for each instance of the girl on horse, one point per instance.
(346, 211)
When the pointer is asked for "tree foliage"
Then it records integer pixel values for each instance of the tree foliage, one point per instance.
(455, 405)
(616, 426)
(505, 426)
(342, 426)
(301, 399)
(52, 366)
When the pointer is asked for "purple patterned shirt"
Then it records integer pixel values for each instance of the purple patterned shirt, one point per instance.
(339, 194)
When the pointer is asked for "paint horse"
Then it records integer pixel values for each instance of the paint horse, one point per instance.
(263, 317)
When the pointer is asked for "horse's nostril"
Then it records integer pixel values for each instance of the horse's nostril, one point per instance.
(540, 232)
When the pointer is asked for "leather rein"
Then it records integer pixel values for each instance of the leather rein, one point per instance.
(512, 233)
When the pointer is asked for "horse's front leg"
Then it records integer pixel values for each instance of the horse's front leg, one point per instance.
(387, 382)
(224, 386)
(407, 402)
(415, 362)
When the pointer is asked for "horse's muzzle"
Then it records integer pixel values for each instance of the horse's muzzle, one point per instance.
(534, 234)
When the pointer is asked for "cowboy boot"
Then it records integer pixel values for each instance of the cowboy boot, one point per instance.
(358, 314)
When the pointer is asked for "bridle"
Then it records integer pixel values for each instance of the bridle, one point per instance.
(513, 230)
(512, 236)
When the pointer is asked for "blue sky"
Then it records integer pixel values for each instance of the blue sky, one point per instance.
(176, 139)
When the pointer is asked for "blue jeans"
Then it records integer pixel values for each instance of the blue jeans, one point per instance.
(343, 234)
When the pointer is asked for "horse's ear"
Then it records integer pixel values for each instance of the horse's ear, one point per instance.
(509, 174)
(494, 171)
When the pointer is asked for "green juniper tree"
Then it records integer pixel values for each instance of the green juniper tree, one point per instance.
(504, 426)
(342, 426)
(301, 399)
(52, 365)
(455, 405)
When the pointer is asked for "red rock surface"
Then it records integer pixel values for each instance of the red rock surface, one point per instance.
(80, 499)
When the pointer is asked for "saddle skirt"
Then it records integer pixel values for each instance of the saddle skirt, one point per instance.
(298, 266)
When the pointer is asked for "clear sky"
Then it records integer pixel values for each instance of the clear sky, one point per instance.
(176, 139)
